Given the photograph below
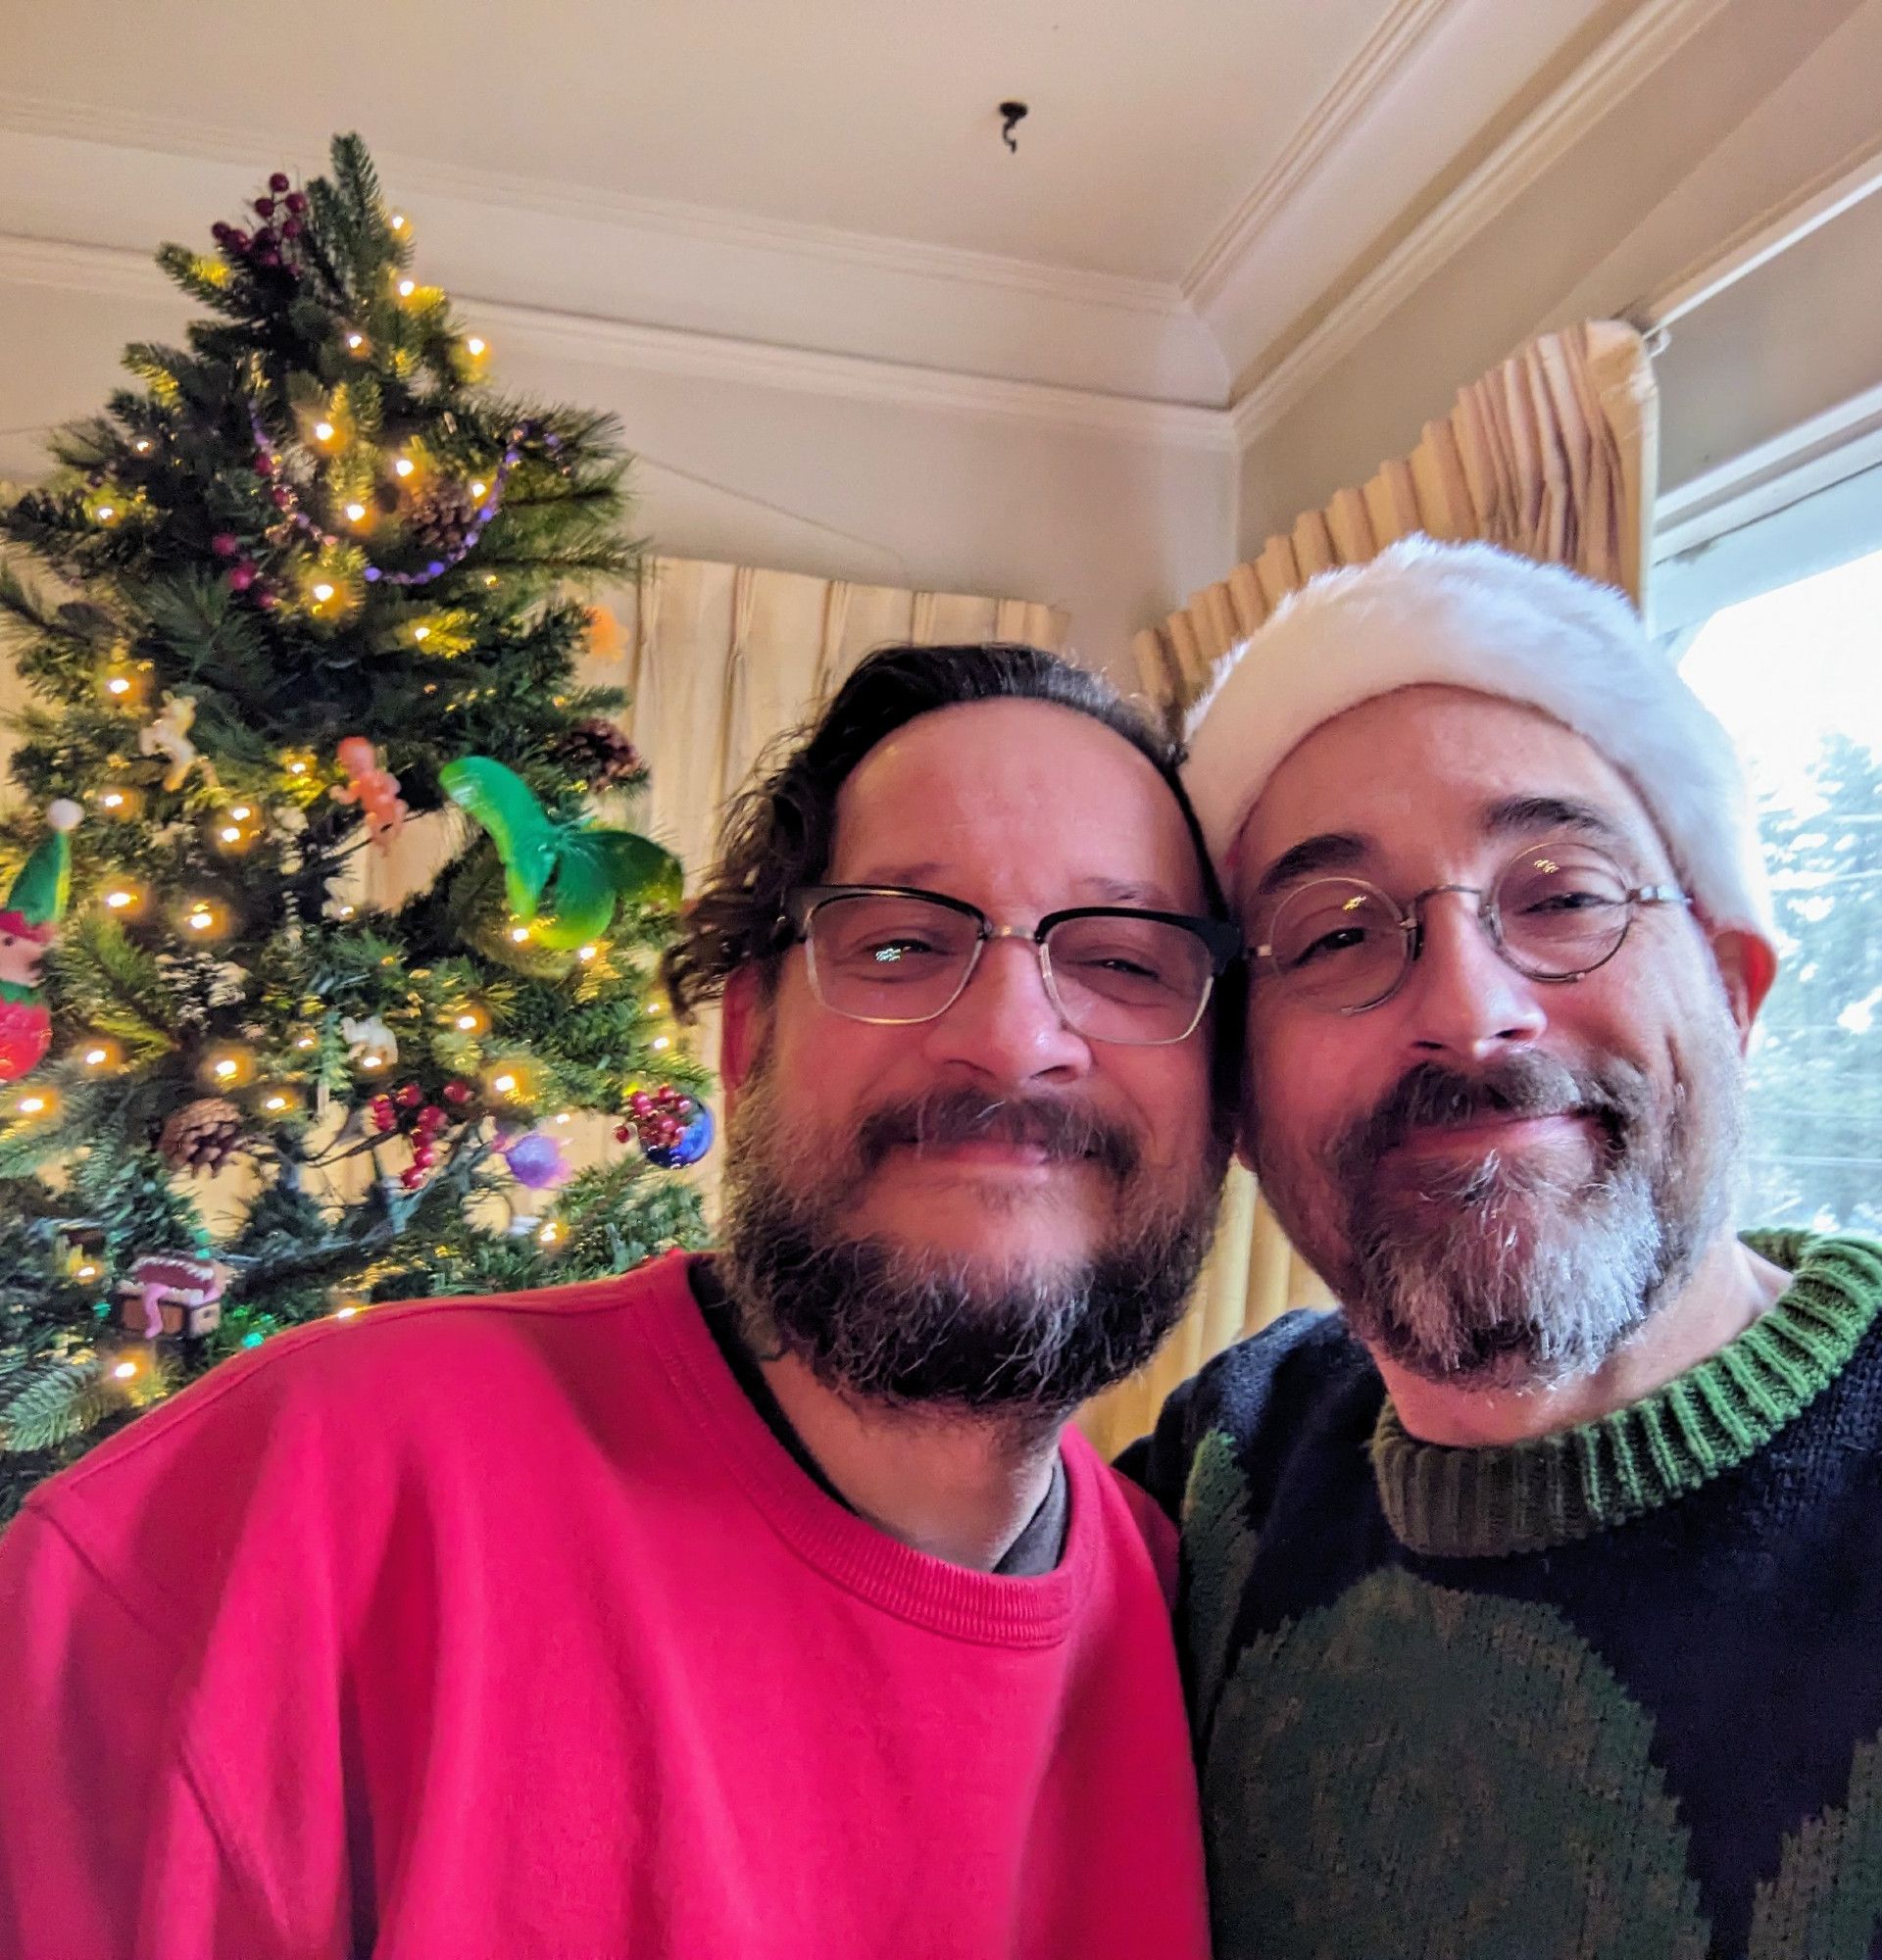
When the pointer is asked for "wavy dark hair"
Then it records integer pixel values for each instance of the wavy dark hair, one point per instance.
(777, 833)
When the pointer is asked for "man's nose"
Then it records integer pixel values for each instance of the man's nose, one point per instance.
(1005, 1025)
(1463, 998)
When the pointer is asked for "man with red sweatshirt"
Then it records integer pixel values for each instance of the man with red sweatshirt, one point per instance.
(757, 1605)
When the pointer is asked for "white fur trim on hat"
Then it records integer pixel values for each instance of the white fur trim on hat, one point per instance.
(1471, 615)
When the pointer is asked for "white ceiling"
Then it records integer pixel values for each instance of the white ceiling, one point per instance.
(1148, 124)
(1195, 184)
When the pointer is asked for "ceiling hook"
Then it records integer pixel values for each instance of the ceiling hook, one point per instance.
(1012, 114)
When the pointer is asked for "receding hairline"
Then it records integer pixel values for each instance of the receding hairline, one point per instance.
(1197, 864)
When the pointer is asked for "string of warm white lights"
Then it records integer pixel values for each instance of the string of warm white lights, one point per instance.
(269, 458)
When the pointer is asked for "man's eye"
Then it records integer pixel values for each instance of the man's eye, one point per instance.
(1343, 939)
(1571, 902)
(897, 951)
(1112, 959)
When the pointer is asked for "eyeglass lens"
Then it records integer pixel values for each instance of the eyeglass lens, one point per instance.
(1113, 976)
(1563, 909)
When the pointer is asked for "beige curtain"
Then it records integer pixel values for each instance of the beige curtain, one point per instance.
(1553, 455)
(720, 660)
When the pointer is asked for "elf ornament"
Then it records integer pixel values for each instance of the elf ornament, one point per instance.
(28, 924)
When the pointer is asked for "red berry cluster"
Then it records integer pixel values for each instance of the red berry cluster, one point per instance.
(659, 1120)
(274, 245)
(243, 574)
(404, 1109)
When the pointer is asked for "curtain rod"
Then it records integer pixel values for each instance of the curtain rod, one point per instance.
(1768, 239)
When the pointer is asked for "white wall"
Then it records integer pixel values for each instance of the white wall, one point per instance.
(1116, 524)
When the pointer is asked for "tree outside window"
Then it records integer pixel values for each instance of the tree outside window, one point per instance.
(1796, 675)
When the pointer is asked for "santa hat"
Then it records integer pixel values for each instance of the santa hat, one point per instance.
(36, 901)
(1470, 615)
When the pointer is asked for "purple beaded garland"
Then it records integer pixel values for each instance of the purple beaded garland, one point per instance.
(267, 462)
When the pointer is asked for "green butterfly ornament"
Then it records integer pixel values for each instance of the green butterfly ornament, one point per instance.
(562, 876)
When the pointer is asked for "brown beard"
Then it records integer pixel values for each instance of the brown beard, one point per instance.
(1502, 1272)
(898, 1325)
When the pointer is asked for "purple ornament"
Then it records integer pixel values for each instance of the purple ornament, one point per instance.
(372, 574)
(694, 1142)
(435, 568)
(536, 1161)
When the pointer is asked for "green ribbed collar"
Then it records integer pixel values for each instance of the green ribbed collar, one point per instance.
(1485, 1503)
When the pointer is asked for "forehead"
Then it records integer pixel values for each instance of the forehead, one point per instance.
(1428, 775)
(1019, 799)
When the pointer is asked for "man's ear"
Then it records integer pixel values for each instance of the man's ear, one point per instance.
(743, 1009)
(1747, 962)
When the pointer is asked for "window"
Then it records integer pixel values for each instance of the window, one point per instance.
(1795, 672)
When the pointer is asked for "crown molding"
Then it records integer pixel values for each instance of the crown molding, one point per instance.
(601, 255)
(514, 191)
(851, 377)
(119, 272)
(1356, 88)
(1566, 115)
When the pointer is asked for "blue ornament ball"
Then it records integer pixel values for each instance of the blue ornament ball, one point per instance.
(695, 1140)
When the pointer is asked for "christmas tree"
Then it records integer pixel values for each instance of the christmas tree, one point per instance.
(304, 599)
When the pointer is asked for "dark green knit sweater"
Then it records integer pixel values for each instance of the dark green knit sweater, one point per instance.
(1614, 1692)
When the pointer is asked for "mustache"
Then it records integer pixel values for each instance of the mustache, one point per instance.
(1430, 1095)
(1065, 1131)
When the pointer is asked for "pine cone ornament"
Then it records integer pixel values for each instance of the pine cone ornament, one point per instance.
(201, 1135)
(596, 752)
(441, 516)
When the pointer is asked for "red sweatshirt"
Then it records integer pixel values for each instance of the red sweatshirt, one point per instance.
(506, 1627)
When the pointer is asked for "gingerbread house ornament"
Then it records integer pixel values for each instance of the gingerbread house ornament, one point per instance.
(172, 1293)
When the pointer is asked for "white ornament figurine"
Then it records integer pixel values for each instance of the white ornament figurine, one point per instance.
(169, 735)
(370, 1039)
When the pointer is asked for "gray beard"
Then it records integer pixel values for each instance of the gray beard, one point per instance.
(1497, 1274)
(898, 1326)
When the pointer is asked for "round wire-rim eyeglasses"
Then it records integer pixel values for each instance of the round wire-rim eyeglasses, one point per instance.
(1564, 893)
